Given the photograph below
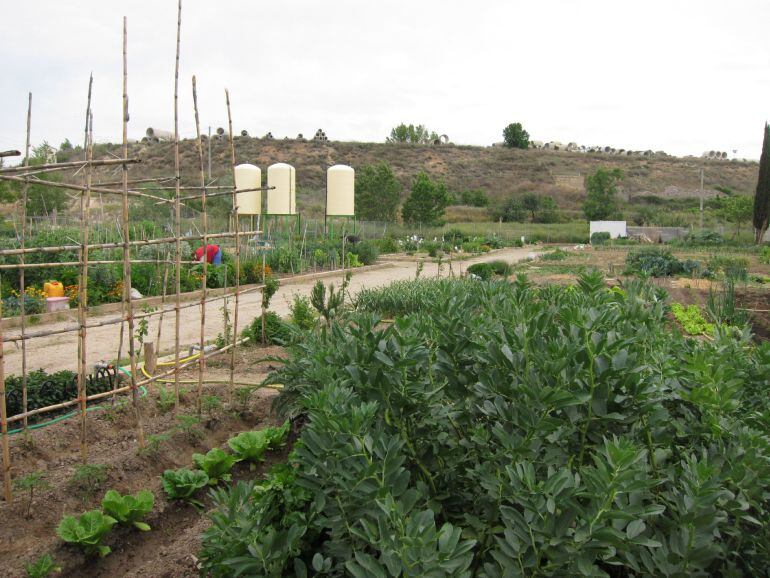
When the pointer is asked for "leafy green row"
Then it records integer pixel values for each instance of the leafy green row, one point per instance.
(214, 467)
(508, 430)
(89, 529)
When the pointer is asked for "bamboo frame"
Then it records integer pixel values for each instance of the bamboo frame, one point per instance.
(205, 226)
(127, 318)
(127, 249)
(73, 165)
(136, 243)
(4, 422)
(237, 248)
(22, 281)
(177, 209)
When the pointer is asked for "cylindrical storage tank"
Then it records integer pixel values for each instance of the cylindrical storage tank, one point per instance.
(248, 177)
(158, 134)
(340, 191)
(282, 200)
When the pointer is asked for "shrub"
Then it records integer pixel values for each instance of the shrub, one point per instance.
(555, 255)
(366, 251)
(652, 261)
(730, 267)
(277, 331)
(600, 238)
(387, 245)
(482, 270)
(302, 315)
(499, 267)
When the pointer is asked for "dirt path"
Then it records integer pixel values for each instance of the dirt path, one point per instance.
(60, 351)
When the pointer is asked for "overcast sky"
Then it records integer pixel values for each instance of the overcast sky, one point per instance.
(682, 76)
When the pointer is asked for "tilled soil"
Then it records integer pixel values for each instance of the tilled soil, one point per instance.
(169, 549)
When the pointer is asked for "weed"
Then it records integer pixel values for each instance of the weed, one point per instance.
(30, 483)
(42, 567)
(152, 448)
(89, 479)
(189, 426)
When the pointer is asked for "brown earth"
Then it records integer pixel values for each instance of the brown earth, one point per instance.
(498, 171)
(169, 549)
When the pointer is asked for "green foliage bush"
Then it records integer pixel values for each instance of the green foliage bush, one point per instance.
(302, 315)
(600, 238)
(653, 261)
(277, 331)
(366, 251)
(504, 429)
(482, 270)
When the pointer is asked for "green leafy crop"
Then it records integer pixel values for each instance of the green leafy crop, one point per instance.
(129, 509)
(87, 531)
(691, 319)
(182, 484)
(216, 463)
(250, 446)
(501, 429)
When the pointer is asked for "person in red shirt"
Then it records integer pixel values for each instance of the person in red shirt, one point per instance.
(213, 254)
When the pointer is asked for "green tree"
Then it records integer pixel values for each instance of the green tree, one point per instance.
(378, 193)
(531, 203)
(762, 195)
(474, 198)
(412, 134)
(736, 210)
(602, 188)
(512, 211)
(427, 201)
(548, 211)
(515, 137)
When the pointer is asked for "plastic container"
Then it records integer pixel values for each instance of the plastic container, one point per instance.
(282, 200)
(340, 191)
(248, 177)
(53, 289)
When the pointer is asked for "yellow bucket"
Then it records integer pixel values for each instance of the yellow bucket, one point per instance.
(53, 289)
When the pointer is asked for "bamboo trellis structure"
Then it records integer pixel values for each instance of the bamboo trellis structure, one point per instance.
(126, 189)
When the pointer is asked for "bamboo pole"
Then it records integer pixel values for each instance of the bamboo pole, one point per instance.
(136, 243)
(73, 165)
(227, 192)
(5, 266)
(117, 320)
(85, 201)
(22, 281)
(237, 248)
(4, 421)
(127, 248)
(205, 226)
(123, 389)
(70, 186)
(177, 209)
(163, 298)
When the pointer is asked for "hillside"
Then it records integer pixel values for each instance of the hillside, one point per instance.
(498, 171)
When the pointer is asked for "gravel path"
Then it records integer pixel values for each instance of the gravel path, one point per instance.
(59, 352)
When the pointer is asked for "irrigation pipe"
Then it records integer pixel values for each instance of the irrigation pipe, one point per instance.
(195, 381)
(69, 415)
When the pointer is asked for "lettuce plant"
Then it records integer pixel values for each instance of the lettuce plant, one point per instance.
(129, 509)
(217, 465)
(250, 446)
(182, 484)
(87, 531)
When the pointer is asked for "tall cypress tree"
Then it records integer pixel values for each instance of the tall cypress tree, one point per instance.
(762, 196)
